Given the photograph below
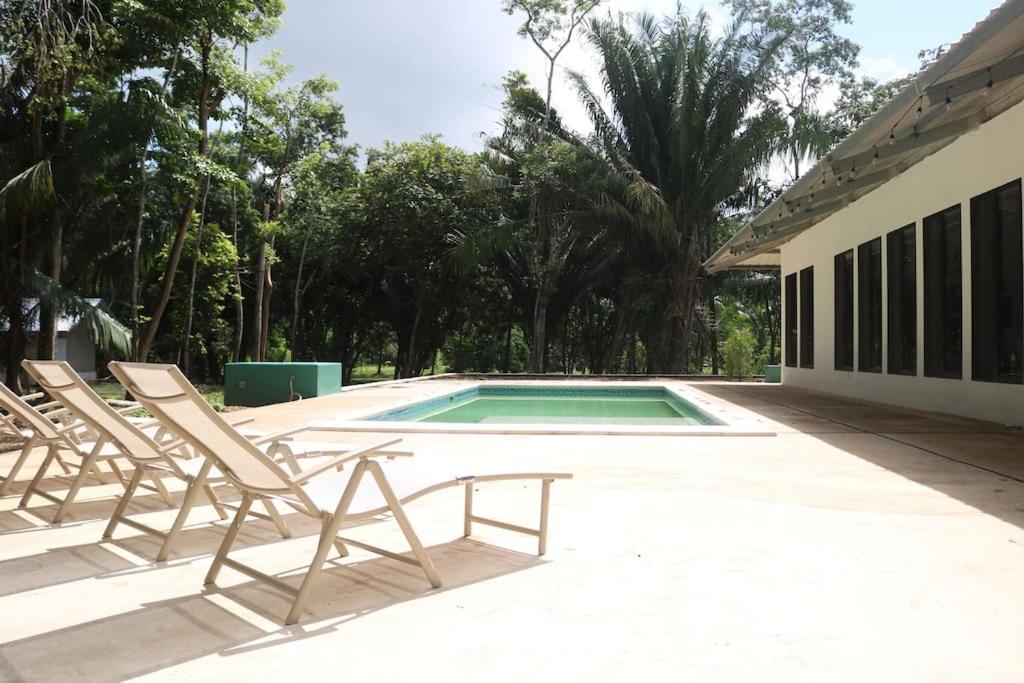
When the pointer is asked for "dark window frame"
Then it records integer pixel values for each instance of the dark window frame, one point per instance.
(869, 306)
(943, 319)
(997, 286)
(790, 321)
(806, 284)
(844, 305)
(901, 289)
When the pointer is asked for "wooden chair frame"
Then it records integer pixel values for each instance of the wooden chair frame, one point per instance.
(161, 401)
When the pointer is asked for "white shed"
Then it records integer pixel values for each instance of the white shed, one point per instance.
(74, 341)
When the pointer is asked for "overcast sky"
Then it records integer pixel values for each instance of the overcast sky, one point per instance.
(412, 67)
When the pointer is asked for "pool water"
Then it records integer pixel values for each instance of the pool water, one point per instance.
(555, 405)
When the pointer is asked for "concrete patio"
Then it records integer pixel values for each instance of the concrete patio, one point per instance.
(860, 543)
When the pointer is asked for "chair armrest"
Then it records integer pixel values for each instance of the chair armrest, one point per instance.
(171, 445)
(74, 426)
(358, 454)
(277, 436)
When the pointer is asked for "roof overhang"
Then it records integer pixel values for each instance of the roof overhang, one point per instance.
(977, 79)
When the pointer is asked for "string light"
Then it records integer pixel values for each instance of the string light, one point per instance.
(988, 86)
(917, 114)
(874, 158)
(949, 100)
(892, 136)
(853, 170)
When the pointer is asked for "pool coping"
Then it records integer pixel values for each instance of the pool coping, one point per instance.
(734, 422)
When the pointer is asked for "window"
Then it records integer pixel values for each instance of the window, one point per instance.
(807, 318)
(791, 320)
(997, 286)
(844, 310)
(869, 306)
(943, 295)
(901, 258)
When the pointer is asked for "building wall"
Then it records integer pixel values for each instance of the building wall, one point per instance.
(81, 352)
(977, 162)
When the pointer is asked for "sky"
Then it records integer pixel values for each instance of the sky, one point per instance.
(413, 67)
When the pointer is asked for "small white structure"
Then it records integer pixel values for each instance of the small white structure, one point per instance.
(74, 341)
(901, 251)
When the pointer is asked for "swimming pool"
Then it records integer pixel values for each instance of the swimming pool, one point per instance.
(554, 405)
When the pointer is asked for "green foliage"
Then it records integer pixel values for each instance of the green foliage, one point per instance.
(215, 292)
(738, 353)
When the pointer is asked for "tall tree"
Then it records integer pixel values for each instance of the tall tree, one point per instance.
(684, 133)
(813, 57)
(550, 25)
(283, 127)
(210, 29)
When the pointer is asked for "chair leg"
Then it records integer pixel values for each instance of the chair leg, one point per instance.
(122, 504)
(341, 547)
(193, 489)
(215, 501)
(63, 465)
(329, 532)
(51, 453)
(161, 489)
(276, 518)
(229, 539)
(330, 528)
(545, 498)
(118, 473)
(426, 564)
(18, 464)
(87, 465)
(467, 519)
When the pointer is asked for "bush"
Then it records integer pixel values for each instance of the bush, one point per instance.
(738, 353)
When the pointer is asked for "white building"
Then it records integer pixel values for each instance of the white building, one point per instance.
(74, 340)
(901, 251)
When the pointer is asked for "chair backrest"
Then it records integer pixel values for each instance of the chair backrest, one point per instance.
(60, 380)
(27, 415)
(166, 393)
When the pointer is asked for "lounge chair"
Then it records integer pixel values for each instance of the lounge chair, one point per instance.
(12, 430)
(322, 491)
(143, 446)
(66, 436)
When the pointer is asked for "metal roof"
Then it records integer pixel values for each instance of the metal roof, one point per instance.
(978, 78)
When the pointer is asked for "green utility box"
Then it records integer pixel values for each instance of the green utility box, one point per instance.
(773, 374)
(260, 384)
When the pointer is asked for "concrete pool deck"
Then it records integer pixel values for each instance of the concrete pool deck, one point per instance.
(860, 543)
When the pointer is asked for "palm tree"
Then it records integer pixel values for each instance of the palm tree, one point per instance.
(685, 131)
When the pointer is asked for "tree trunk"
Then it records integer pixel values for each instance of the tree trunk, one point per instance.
(713, 332)
(298, 295)
(239, 298)
(540, 318)
(167, 284)
(139, 220)
(15, 314)
(268, 289)
(136, 260)
(186, 351)
(48, 310)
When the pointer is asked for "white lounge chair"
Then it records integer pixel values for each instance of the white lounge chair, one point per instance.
(155, 451)
(321, 492)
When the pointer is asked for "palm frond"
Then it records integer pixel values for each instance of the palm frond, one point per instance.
(28, 192)
(109, 334)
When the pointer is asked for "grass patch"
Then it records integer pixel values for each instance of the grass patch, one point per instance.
(213, 393)
(363, 374)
